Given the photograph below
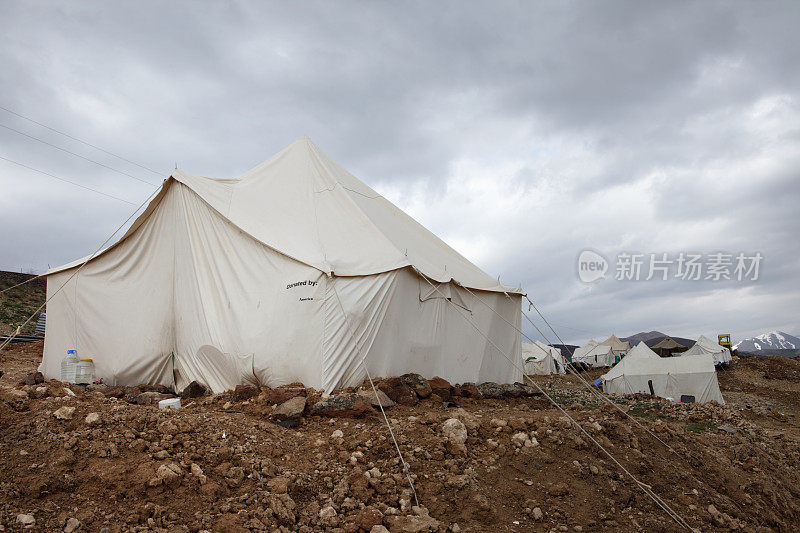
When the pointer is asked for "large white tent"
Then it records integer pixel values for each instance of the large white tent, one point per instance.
(704, 345)
(594, 355)
(296, 271)
(617, 346)
(678, 378)
(541, 359)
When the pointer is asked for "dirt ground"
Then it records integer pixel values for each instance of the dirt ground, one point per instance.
(219, 464)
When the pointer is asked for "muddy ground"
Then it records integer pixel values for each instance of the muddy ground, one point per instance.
(220, 464)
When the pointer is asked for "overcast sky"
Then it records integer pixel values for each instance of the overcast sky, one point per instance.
(520, 133)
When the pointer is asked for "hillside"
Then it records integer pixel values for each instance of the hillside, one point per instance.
(17, 304)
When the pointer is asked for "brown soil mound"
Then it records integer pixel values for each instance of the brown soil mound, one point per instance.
(221, 465)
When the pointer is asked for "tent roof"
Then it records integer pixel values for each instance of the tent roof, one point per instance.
(660, 365)
(667, 343)
(641, 351)
(615, 343)
(304, 205)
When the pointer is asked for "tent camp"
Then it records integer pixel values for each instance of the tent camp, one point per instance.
(617, 346)
(597, 355)
(540, 359)
(294, 272)
(704, 345)
(685, 379)
(668, 346)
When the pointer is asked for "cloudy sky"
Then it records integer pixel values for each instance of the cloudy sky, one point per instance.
(521, 133)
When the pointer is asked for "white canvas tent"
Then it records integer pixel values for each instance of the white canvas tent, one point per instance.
(704, 345)
(293, 272)
(678, 378)
(540, 359)
(597, 355)
(617, 346)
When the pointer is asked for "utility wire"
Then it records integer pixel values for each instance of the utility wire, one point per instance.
(67, 135)
(65, 180)
(76, 154)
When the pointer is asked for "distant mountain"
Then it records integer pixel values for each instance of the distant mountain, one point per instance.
(651, 338)
(643, 337)
(774, 340)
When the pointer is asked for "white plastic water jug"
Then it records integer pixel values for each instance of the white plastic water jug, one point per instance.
(69, 366)
(85, 372)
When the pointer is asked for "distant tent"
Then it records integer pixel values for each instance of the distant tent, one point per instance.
(617, 346)
(597, 355)
(541, 359)
(704, 345)
(668, 346)
(685, 379)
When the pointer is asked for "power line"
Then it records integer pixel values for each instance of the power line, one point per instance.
(64, 180)
(81, 141)
(75, 154)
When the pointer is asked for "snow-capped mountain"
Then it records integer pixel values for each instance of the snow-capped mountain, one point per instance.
(774, 340)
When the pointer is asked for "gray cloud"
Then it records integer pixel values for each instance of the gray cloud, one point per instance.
(520, 133)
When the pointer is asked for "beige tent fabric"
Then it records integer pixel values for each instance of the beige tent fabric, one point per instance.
(540, 359)
(617, 346)
(235, 281)
(595, 355)
(704, 345)
(671, 377)
(667, 346)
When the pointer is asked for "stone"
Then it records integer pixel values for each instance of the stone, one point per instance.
(519, 439)
(491, 389)
(440, 387)
(291, 409)
(412, 524)
(113, 391)
(342, 406)
(279, 485)
(170, 474)
(72, 525)
(93, 419)
(418, 384)
(399, 391)
(537, 513)
(25, 520)
(147, 397)
(378, 529)
(381, 400)
(327, 512)
(337, 434)
(194, 390)
(470, 390)
(64, 413)
(285, 393)
(558, 489)
(283, 508)
(455, 435)
(244, 392)
(34, 378)
(368, 518)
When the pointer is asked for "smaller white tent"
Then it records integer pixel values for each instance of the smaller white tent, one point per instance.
(597, 355)
(678, 378)
(541, 359)
(704, 345)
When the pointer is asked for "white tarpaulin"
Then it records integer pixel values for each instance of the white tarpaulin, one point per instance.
(595, 355)
(704, 345)
(285, 274)
(678, 378)
(540, 359)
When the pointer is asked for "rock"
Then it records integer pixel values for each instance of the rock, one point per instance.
(337, 434)
(64, 413)
(283, 507)
(198, 473)
(244, 392)
(341, 406)
(440, 387)
(170, 474)
(72, 525)
(418, 384)
(144, 387)
(146, 398)
(537, 513)
(412, 524)
(34, 378)
(285, 393)
(470, 390)
(378, 529)
(559, 489)
(399, 391)
(291, 409)
(455, 434)
(368, 518)
(25, 520)
(16, 399)
(468, 419)
(327, 513)
(382, 400)
(491, 389)
(113, 391)
(279, 485)
(93, 419)
(519, 439)
(194, 390)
